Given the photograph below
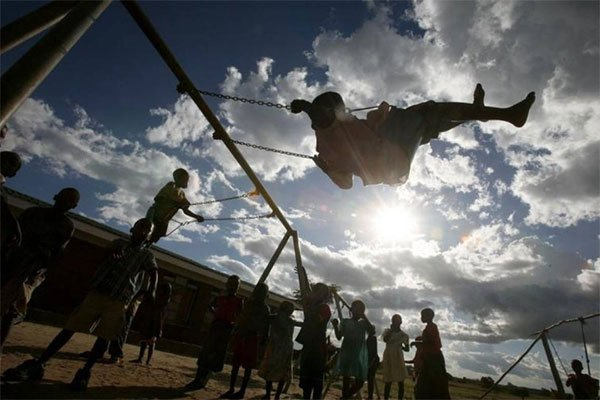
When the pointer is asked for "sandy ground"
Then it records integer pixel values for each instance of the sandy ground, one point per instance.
(164, 379)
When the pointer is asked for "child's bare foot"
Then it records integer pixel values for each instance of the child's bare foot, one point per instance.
(478, 95)
(520, 111)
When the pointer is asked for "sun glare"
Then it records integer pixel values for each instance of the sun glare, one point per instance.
(394, 224)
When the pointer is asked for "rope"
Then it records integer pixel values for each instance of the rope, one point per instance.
(557, 356)
(241, 196)
(587, 358)
(269, 215)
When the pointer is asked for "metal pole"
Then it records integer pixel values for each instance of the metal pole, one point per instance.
(302, 277)
(278, 251)
(26, 27)
(30, 70)
(146, 26)
(511, 367)
(555, 375)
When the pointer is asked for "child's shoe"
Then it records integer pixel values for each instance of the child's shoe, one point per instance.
(30, 370)
(80, 380)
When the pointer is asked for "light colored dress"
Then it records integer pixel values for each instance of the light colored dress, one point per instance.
(394, 368)
(353, 358)
(276, 365)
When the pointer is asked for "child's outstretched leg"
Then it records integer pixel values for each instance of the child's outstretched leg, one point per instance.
(268, 389)
(516, 114)
(82, 377)
(235, 369)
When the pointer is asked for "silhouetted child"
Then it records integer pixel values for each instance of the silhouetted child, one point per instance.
(116, 282)
(583, 385)
(417, 360)
(251, 331)
(10, 232)
(433, 379)
(226, 309)
(151, 318)
(276, 365)
(45, 233)
(380, 149)
(353, 359)
(394, 368)
(167, 202)
(313, 338)
(373, 360)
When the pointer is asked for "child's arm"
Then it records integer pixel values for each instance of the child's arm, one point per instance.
(189, 213)
(336, 328)
(320, 118)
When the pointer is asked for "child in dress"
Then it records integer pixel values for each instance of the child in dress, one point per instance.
(152, 317)
(394, 368)
(313, 338)
(276, 365)
(353, 359)
(167, 202)
(252, 331)
(226, 308)
(380, 149)
(432, 382)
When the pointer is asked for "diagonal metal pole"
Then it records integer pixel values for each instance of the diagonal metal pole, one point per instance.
(273, 259)
(512, 366)
(26, 27)
(553, 369)
(302, 277)
(146, 26)
(29, 71)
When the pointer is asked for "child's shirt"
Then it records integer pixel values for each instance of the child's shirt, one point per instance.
(354, 332)
(432, 344)
(227, 309)
(167, 202)
(122, 278)
(254, 319)
(355, 147)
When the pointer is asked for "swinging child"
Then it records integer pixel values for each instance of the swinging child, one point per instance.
(380, 149)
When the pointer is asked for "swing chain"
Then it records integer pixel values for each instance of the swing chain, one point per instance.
(284, 152)
(181, 88)
(241, 196)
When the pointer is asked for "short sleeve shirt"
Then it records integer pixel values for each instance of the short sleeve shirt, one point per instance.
(167, 202)
(227, 309)
(122, 278)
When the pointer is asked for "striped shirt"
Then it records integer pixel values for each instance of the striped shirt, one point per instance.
(122, 278)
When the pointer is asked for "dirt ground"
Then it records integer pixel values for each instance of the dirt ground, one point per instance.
(164, 379)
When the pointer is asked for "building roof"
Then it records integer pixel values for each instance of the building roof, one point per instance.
(100, 234)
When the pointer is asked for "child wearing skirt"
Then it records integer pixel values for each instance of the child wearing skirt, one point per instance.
(394, 368)
(380, 148)
(276, 365)
(353, 359)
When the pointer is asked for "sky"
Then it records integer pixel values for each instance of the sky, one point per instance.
(497, 228)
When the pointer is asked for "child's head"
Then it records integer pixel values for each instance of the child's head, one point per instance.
(10, 163)
(181, 177)
(577, 366)
(260, 292)
(66, 199)
(427, 315)
(357, 308)
(141, 230)
(396, 320)
(232, 285)
(320, 292)
(332, 103)
(286, 308)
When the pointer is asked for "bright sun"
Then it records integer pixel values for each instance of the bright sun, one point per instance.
(394, 223)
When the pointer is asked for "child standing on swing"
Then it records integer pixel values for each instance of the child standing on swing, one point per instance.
(380, 149)
(170, 199)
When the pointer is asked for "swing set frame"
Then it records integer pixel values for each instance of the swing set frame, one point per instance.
(69, 21)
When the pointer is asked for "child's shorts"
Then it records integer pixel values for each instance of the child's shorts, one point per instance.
(98, 314)
(245, 351)
(413, 126)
